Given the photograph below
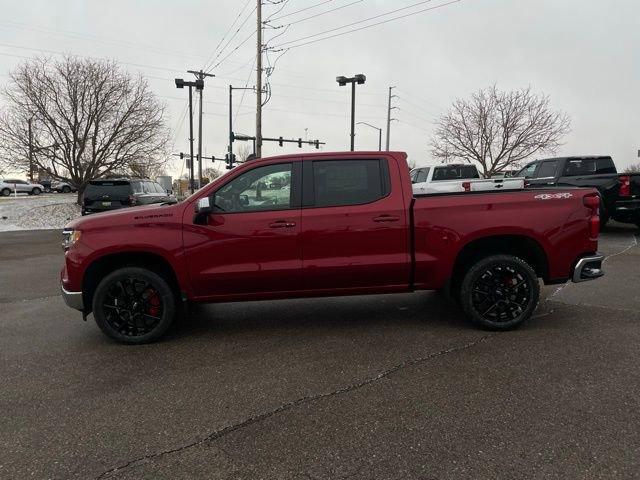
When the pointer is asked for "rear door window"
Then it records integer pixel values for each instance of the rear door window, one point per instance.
(349, 182)
(547, 169)
(423, 173)
(528, 171)
(589, 166)
(455, 172)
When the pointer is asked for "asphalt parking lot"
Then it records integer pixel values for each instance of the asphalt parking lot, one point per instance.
(391, 387)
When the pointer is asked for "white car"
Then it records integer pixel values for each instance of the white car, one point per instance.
(457, 178)
(12, 185)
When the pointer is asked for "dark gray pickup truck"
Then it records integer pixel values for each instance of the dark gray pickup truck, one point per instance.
(619, 193)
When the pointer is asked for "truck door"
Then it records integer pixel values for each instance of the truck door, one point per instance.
(545, 174)
(250, 244)
(354, 224)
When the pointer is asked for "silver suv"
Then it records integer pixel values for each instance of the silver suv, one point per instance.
(11, 185)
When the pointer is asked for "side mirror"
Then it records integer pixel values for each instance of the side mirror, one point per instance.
(203, 209)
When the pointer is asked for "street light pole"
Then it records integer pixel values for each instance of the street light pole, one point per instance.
(342, 81)
(379, 133)
(353, 116)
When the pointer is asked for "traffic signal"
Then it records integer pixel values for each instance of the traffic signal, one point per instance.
(280, 142)
(181, 156)
(317, 144)
(299, 143)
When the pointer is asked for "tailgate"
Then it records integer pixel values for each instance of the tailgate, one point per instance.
(497, 184)
(106, 194)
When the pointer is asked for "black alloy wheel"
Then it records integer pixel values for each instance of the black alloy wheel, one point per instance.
(36, 191)
(500, 292)
(6, 192)
(66, 189)
(134, 305)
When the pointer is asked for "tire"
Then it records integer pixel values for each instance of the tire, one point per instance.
(66, 189)
(36, 191)
(488, 299)
(6, 192)
(119, 305)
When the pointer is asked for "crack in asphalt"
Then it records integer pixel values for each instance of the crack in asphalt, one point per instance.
(24, 300)
(294, 403)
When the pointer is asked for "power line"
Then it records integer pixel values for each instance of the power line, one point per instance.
(233, 51)
(362, 28)
(302, 10)
(208, 68)
(244, 91)
(406, 93)
(227, 32)
(318, 14)
(95, 38)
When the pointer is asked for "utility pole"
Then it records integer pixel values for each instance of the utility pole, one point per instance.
(200, 76)
(30, 149)
(389, 108)
(258, 148)
(230, 155)
(191, 182)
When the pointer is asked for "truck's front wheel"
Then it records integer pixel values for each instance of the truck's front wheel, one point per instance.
(500, 292)
(134, 305)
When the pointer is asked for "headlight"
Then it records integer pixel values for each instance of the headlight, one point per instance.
(69, 237)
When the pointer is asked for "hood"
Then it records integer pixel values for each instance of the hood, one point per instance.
(128, 216)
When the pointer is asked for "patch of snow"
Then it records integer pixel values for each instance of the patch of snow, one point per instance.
(42, 212)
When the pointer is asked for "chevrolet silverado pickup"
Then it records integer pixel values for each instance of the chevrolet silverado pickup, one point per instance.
(458, 178)
(327, 224)
(619, 193)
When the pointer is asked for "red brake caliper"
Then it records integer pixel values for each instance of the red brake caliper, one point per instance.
(154, 303)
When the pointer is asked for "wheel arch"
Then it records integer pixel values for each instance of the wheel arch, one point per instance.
(102, 266)
(522, 246)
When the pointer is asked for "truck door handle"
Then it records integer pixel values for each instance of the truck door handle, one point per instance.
(386, 218)
(282, 224)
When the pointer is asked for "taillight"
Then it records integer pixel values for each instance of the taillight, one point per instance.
(625, 186)
(593, 202)
(132, 200)
(466, 186)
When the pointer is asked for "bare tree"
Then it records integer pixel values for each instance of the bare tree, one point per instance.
(632, 169)
(211, 173)
(88, 118)
(243, 153)
(499, 129)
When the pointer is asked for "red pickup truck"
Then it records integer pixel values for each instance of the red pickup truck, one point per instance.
(327, 224)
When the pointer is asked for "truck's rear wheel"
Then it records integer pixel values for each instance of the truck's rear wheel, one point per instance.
(134, 305)
(499, 292)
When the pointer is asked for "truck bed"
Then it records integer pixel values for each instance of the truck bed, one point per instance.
(556, 219)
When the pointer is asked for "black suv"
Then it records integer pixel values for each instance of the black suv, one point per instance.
(104, 195)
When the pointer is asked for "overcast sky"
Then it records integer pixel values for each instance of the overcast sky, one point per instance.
(585, 54)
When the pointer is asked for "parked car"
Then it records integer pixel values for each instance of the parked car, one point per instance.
(46, 184)
(348, 225)
(457, 178)
(104, 195)
(620, 194)
(13, 185)
(63, 187)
